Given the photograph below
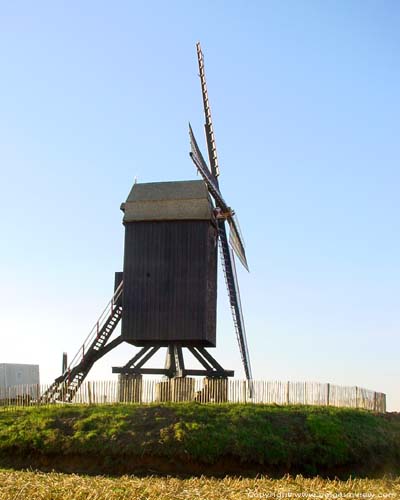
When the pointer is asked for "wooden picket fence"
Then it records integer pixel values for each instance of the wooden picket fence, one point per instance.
(136, 390)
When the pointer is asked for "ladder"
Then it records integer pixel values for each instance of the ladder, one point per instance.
(93, 348)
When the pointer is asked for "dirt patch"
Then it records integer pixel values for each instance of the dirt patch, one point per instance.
(164, 466)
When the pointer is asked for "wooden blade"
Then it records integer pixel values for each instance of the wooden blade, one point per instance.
(202, 167)
(235, 237)
(228, 264)
(212, 149)
(236, 240)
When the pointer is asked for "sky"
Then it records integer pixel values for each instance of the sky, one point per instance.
(305, 104)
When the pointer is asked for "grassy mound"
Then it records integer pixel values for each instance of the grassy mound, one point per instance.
(193, 438)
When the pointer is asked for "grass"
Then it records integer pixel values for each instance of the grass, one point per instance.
(54, 486)
(214, 439)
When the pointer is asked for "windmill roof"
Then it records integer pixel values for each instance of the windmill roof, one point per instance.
(178, 200)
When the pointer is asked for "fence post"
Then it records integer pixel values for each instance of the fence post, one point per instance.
(287, 393)
(328, 393)
(89, 386)
(244, 391)
(374, 400)
(356, 397)
(37, 397)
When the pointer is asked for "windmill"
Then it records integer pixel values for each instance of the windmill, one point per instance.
(223, 213)
(166, 295)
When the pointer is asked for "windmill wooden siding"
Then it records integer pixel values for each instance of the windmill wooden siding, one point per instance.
(170, 266)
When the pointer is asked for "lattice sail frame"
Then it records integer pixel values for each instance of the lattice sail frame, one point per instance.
(224, 212)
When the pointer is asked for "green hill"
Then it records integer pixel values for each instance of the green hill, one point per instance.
(201, 439)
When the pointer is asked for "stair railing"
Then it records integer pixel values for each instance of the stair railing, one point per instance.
(94, 332)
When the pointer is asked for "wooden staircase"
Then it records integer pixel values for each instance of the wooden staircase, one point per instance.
(94, 347)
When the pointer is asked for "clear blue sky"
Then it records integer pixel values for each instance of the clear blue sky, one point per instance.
(305, 101)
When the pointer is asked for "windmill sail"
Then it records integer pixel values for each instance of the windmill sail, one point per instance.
(209, 129)
(228, 264)
(236, 240)
(202, 167)
(235, 237)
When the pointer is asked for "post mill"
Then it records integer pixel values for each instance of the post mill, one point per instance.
(166, 294)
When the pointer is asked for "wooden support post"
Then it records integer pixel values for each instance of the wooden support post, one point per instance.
(287, 392)
(328, 393)
(64, 362)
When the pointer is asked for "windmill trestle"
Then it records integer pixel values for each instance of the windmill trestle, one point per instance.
(98, 343)
(175, 364)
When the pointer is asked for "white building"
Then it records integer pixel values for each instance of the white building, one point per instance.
(14, 375)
